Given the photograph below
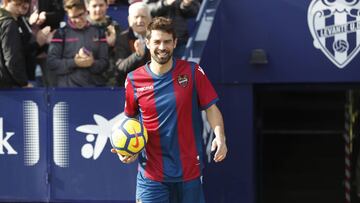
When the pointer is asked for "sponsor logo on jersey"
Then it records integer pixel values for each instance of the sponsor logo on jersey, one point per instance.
(145, 88)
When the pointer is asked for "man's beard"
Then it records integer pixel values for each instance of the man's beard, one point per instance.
(162, 60)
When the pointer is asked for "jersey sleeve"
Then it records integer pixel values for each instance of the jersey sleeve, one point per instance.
(207, 95)
(131, 108)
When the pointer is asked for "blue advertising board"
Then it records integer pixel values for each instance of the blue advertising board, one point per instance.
(54, 146)
(23, 145)
(82, 165)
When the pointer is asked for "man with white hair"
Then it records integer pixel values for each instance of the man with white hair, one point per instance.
(132, 52)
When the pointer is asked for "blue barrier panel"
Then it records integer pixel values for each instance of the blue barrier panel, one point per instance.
(54, 146)
(82, 166)
(23, 145)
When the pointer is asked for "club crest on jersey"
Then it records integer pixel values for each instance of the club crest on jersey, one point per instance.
(183, 80)
(335, 28)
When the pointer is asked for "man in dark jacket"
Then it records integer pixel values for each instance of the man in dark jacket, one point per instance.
(78, 53)
(12, 63)
(98, 18)
(33, 40)
(132, 52)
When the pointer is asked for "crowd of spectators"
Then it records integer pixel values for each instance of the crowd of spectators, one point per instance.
(77, 43)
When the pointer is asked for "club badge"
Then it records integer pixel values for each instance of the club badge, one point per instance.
(183, 80)
(335, 28)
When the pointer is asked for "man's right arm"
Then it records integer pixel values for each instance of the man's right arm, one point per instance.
(131, 108)
(126, 61)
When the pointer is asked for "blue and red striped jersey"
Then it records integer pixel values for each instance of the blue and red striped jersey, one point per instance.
(170, 108)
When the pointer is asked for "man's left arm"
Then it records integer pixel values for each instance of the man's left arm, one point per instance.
(215, 119)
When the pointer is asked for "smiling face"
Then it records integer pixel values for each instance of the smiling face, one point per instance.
(139, 19)
(97, 9)
(161, 45)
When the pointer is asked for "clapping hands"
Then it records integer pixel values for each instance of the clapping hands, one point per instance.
(44, 35)
(37, 18)
(111, 35)
(139, 46)
(84, 58)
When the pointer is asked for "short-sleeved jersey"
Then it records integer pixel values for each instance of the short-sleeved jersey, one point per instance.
(169, 106)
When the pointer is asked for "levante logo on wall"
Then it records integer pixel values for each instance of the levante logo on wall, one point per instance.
(335, 28)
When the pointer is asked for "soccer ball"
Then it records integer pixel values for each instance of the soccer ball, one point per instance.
(128, 136)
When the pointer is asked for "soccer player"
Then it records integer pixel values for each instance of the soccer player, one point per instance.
(169, 95)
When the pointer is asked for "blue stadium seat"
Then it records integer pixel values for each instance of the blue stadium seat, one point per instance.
(120, 14)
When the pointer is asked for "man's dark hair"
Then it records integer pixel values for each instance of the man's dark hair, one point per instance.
(162, 24)
(77, 4)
